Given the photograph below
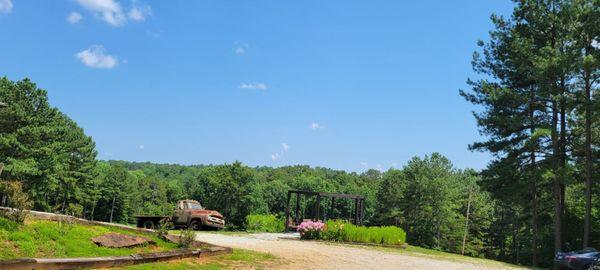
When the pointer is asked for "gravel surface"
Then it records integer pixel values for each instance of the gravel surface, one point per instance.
(296, 254)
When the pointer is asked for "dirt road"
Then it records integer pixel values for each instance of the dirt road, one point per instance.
(296, 254)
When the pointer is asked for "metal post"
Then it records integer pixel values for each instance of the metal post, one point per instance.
(287, 211)
(317, 207)
(355, 211)
(298, 208)
(332, 207)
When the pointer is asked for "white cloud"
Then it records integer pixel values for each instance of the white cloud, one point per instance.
(96, 58)
(315, 126)
(139, 13)
(595, 44)
(109, 11)
(284, 149)
(141, 147)
(364, 164)
(74, 17)
(253, 86)
(240, 50)
(113, 13)
(154, 34)
(241, 47)
(6, 6)
(394, 165)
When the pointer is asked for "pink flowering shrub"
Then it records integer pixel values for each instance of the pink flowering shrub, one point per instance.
(311, 229)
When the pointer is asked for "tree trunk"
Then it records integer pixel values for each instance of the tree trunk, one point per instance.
(534, 210)
(112, 209)
(464, 242)
(588, 160)
(563, 151)
(557, 183)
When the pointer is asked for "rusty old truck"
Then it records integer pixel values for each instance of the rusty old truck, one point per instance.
(188, 214)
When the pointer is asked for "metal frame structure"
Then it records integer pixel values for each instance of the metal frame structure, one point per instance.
(359, 206)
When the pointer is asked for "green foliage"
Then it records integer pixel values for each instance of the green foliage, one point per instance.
(51, 239)
(347, 232)
(43, 148)
(186, 238)
(264, 223)
(163, 228)
(17, 200)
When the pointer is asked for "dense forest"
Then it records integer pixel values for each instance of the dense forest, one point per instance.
(535, 102)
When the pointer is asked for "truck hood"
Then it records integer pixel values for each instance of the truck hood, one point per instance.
(208, 213)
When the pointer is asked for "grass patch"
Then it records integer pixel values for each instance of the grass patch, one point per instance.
(45, 239)
(264, 223)
(347, 232)
(238, 259)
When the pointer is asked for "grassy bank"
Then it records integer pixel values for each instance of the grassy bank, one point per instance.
(49, 239)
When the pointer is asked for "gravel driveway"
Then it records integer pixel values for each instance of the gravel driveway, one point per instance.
(296, 254)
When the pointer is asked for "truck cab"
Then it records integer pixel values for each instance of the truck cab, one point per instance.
(191, 214)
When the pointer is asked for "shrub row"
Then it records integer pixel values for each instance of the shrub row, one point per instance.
(264, 223)
(342, 231)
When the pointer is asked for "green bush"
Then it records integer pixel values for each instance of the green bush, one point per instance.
(347, 232)
(264, 223)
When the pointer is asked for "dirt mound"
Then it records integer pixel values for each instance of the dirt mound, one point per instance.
(117, 240)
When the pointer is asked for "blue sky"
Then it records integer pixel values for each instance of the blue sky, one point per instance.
(343, 84)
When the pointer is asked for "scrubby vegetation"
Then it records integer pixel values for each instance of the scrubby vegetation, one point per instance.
(51, 239)
(264, 223)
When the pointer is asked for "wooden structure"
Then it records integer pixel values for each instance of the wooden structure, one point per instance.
(356, 217)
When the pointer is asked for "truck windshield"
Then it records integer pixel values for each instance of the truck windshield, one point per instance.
(195, 206)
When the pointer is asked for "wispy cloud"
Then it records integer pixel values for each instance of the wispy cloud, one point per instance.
(153, 33)
(113, 13)
(364, 164)
(109, 11)
(95, 57)
(240, 47)
(6, 6)
(74, 17)
(315, 126)
(139, 12)
(141, 147)
(284, 149)
(253, 86)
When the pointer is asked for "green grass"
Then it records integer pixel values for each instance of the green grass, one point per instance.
(264, 223)
(47, 239)
(238, 259)
(348, 232)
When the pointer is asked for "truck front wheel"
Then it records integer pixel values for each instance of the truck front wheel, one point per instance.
(196, 225)
(149, 224)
